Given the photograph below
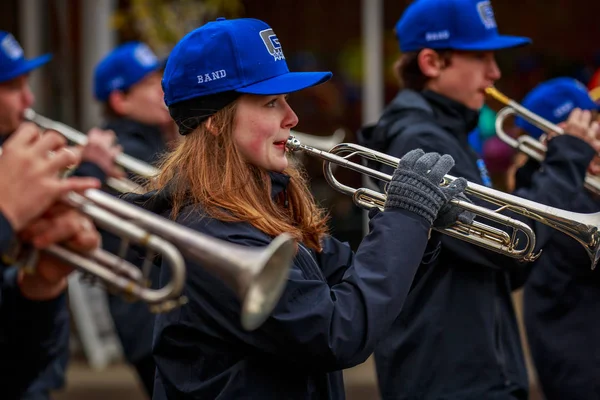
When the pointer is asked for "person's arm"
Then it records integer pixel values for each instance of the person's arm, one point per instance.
(34, 322)
(336, 256)
(99, 156)
(430, 138)
(329, 328)
(557, 183)
(314, 324)
(562, 173)
(32, 334)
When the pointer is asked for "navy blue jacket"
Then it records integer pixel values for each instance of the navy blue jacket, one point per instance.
(457, 336)
(33, 334)
(52, 375)
(133, 321)
(561, 303)
(144, 142)
(333, 311)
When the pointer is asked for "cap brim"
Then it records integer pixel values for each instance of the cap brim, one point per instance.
(286, 83)
(27, 66)
(496, 43)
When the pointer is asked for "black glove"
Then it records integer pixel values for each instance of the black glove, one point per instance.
(415, 185)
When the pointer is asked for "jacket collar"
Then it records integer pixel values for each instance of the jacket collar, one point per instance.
(279, 183)
(451, 115)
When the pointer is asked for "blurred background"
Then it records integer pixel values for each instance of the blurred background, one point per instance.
(352, 38)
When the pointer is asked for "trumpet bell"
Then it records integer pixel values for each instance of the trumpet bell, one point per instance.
(257, 275)
(265, 281)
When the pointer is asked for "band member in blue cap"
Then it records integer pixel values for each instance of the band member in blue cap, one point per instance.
(98, 156)
(226, 86)
(127, 82)
(561, 297)
(457, 335)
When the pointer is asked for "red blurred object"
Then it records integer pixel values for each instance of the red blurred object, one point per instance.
(594, 86)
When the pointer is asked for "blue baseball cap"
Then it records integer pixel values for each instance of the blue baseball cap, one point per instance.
(467, 25)
(242, 55)
(123, 67)
(12, 58)
(554, 100)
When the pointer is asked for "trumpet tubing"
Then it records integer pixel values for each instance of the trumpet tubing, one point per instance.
(581, 227)
(527, 144)
(127, 162)
(320, 142)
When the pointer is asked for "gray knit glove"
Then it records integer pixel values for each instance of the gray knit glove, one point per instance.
(415, 185)
(449, 213)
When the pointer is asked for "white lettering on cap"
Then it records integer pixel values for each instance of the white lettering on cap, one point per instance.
(561, 111)
(212, 76)
(435, 36)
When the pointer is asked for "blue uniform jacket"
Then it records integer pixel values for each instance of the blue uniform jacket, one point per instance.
(457, 336)
(52, 374)
(561, 302)
(32, 333)
(335, 308)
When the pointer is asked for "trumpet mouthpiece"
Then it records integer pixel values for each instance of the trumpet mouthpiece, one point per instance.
(496, 94)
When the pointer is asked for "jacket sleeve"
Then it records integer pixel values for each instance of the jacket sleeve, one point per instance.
(90, 169)
(326, 327)
(32, 334)
(139, 149)
(557, 183)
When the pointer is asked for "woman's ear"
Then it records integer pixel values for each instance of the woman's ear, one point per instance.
(210, 126)
(430, 63)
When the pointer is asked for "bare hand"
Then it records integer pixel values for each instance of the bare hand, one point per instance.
(30, 165)
(579, 124)
(58, 225)
(102, 151)
(594, 167)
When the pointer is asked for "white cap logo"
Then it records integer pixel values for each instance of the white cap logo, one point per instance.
(272, 43)
(11, 47)
(486, 14)
(144, 56)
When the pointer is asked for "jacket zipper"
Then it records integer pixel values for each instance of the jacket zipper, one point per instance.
(313, 262)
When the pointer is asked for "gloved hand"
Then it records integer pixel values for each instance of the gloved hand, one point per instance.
(415, 185)
(449, 213)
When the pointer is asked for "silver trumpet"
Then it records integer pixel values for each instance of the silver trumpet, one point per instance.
(321, 142)
(527, 144)
(581, 227)
(257, 275)
(73, 136)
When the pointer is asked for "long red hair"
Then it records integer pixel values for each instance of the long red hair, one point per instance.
(207, 170)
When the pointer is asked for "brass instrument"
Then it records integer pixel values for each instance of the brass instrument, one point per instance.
(256, 275)
(320, 142)
(73, 136)
(581, 227)
(527, 144)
